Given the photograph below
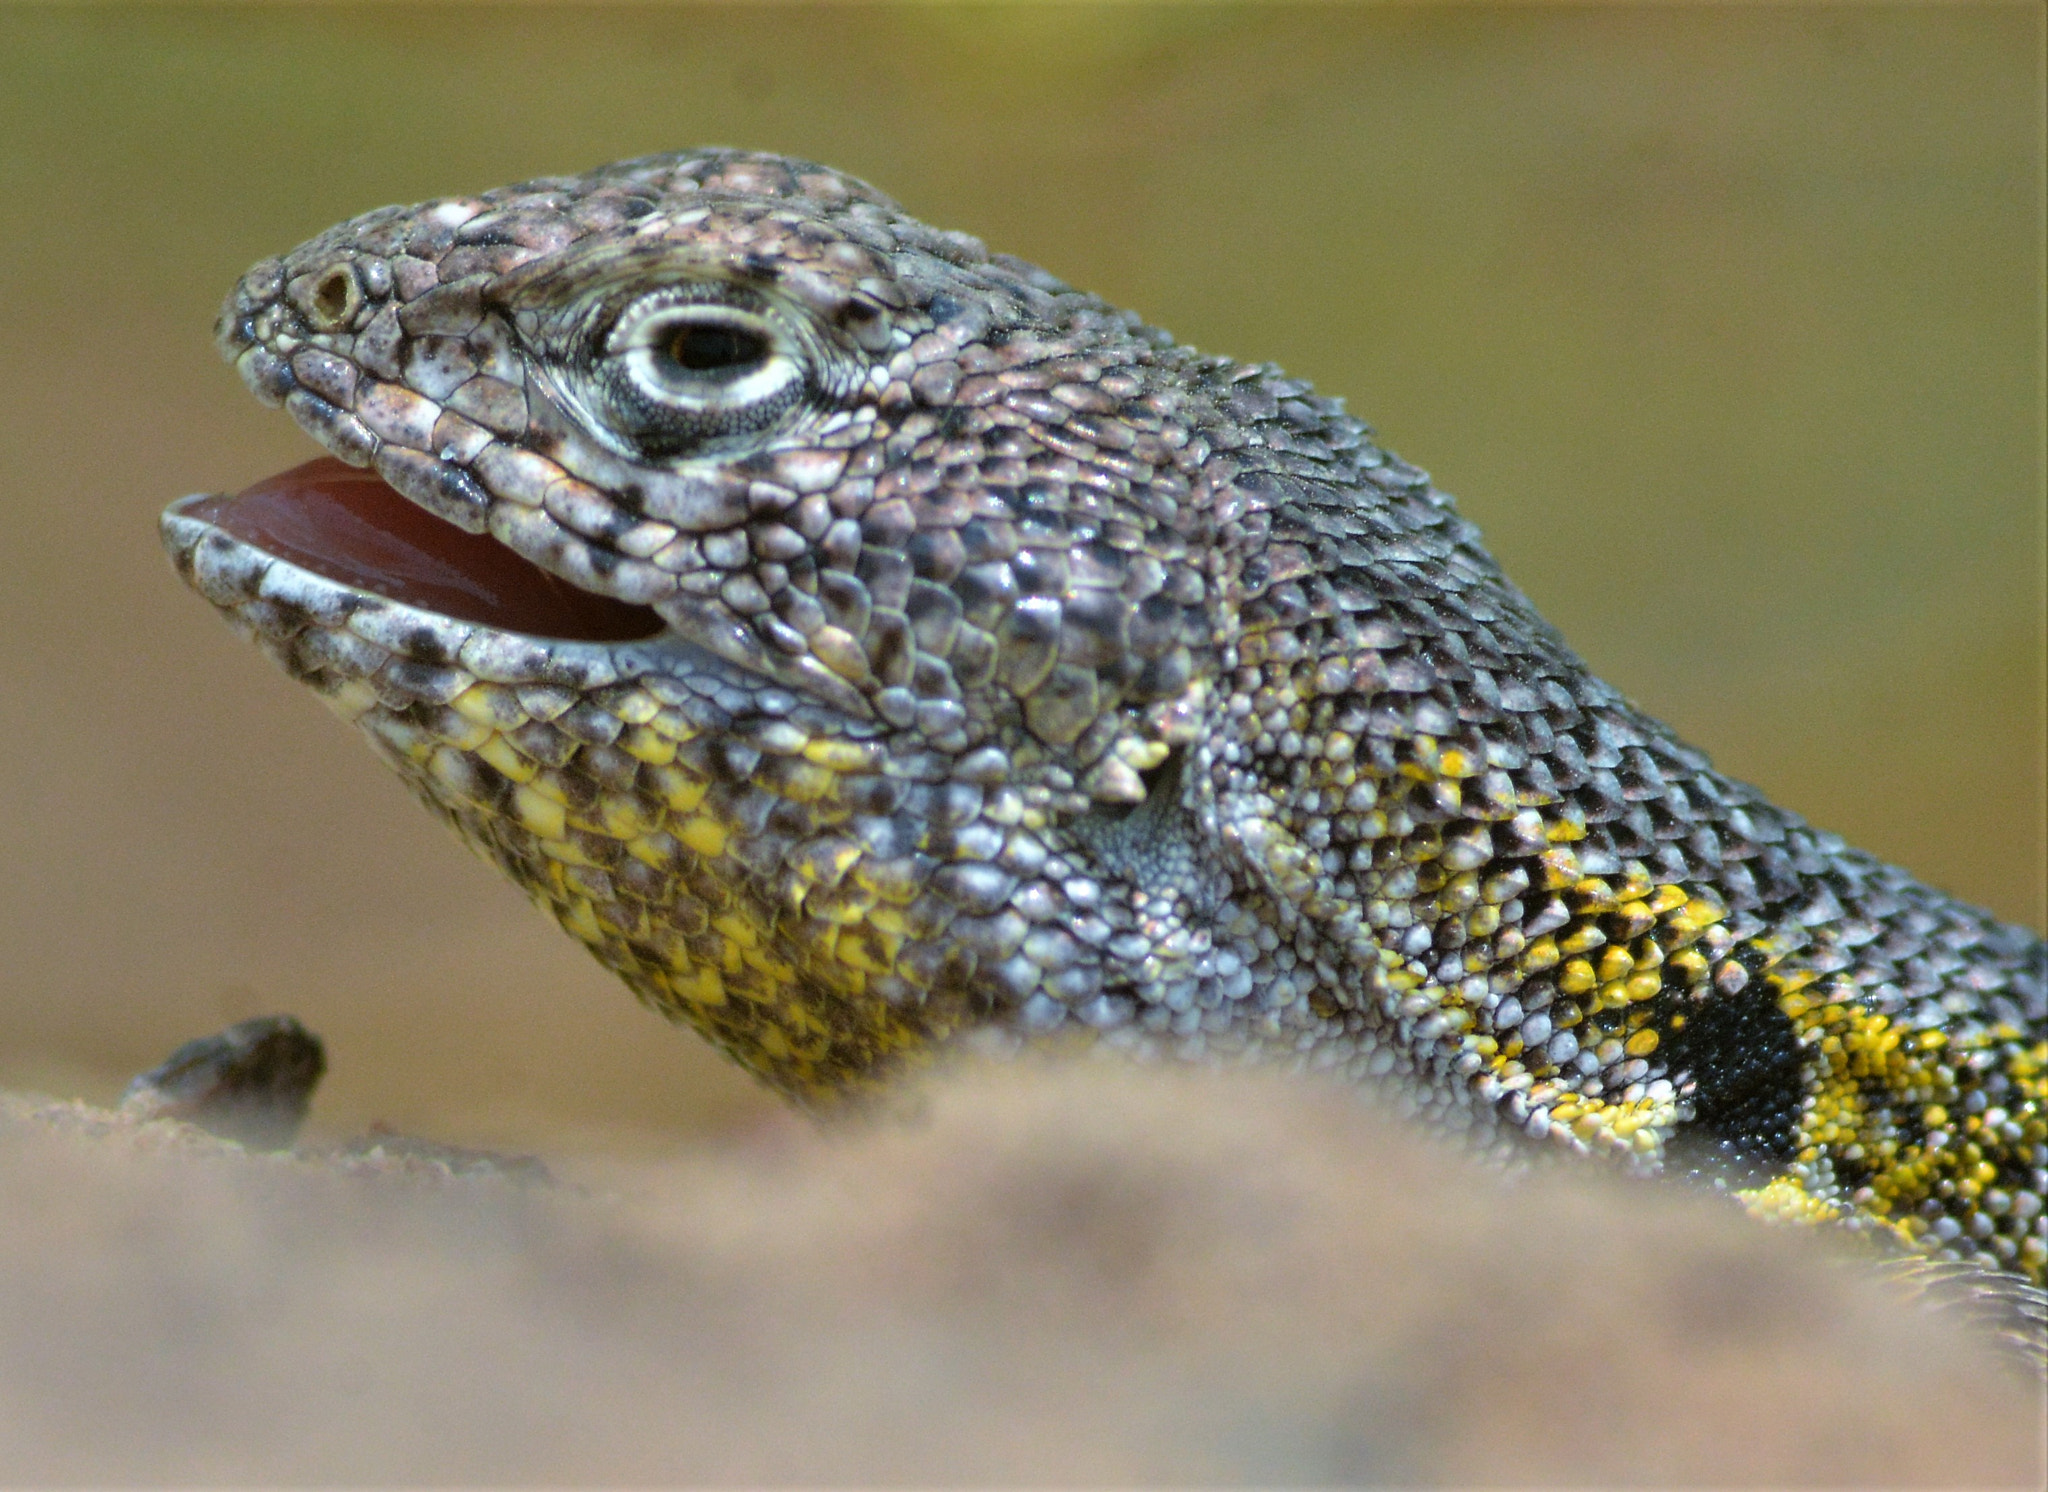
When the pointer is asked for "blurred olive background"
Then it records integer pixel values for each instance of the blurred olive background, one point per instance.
(1724, 323)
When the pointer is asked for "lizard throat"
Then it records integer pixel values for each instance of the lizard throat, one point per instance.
(350, 526)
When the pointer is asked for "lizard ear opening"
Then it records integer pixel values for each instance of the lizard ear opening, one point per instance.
(1162, 793)
(350, 526)
(1163, 780)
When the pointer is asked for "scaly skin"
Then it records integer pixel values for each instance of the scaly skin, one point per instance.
(1027, 677)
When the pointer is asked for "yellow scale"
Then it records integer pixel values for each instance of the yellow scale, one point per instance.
(1608, 984)
(784, 993)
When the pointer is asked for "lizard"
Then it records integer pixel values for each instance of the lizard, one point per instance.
(871, 646)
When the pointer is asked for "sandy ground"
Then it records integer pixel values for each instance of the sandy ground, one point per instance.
(1086, 1276)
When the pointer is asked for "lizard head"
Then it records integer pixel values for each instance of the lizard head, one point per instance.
(808, 608)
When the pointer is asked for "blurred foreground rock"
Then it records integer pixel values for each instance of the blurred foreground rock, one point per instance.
(251, 1083)
(1081, 1275)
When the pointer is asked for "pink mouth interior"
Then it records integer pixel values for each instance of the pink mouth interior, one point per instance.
(349, 525)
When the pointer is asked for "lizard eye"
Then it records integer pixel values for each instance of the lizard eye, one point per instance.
(688, 370)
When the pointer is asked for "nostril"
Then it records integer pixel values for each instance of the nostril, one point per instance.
(329, 299)
(332, 296)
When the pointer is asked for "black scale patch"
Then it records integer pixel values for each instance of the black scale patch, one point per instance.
(1742, 1054)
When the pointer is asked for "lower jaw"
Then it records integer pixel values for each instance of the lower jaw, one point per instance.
(347, 525)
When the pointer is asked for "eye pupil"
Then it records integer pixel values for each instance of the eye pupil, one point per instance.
(709, 349)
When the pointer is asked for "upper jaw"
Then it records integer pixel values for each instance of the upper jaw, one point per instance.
(382, 339)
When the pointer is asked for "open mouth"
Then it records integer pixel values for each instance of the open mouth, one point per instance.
(349, 525)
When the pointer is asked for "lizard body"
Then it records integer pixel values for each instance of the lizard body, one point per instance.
(990, 668)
